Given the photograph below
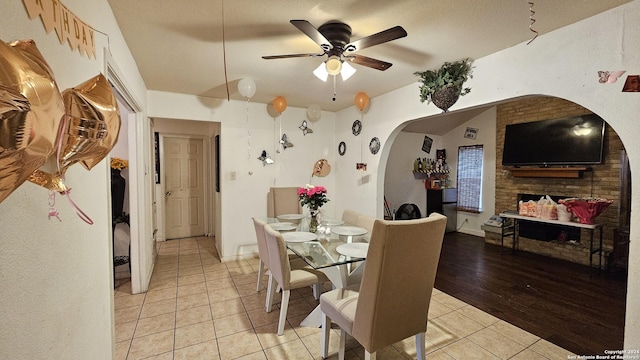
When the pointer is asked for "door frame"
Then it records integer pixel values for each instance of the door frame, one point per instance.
(206, 178)
(139, 193)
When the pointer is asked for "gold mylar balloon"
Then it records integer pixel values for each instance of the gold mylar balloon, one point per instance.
(92, 124)
(31, 109)
(321, 168)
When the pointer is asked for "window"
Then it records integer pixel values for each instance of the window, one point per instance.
(470, 178)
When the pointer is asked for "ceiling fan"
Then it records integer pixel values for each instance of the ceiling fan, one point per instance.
(334, 37)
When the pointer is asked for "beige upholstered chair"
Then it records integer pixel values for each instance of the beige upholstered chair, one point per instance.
(393, 301)
(350, 216)
(263, 254)
(281, 272)
(283, 200)
(366, 222)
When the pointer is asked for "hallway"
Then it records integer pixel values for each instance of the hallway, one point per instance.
(200, 308)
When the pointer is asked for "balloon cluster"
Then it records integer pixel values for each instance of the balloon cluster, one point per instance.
(80, 124)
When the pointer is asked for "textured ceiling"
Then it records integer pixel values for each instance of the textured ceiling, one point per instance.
(178, 45)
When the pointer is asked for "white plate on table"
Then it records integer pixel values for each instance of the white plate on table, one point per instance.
(348, 230)
(356, 250)
(299, 236)
(332, 222)
(290, 216)
(283, 226)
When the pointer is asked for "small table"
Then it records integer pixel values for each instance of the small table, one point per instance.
(590, 227)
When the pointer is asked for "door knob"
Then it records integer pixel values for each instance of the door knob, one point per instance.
(168, 193)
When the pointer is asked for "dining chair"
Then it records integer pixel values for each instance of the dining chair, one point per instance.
(263, 255)
(283, 200)
(350, 217)
(286, 277)
(393, 300)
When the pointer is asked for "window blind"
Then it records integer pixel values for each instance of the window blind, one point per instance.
(470, 178)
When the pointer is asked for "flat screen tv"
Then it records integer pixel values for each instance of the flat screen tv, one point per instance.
(559, 142)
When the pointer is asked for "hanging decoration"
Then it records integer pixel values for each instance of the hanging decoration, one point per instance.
(56, 16)
(609, 76)
(31, 110)
(88, 132)
(265, 158)
(247, 88)
(305, 129)
(314, 112)
(321, 168)
(284, 140)
(532, 13)
(361, 101)
(280, 104)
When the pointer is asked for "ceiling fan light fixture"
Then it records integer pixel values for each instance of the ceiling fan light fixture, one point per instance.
(321, 73)
(347, 71)
(333, 65)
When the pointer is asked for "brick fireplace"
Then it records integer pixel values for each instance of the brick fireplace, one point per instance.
(600, 181)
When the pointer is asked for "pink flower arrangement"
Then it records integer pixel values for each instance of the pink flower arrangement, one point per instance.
(314, 196)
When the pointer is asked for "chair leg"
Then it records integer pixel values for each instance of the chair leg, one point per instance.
(420, 346)
(316, 291)
(271, 292)
(284, 306)
(343, 344)
(260, 275)
(326, 332)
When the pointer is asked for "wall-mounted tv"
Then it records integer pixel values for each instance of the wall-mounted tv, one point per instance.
(568, 141)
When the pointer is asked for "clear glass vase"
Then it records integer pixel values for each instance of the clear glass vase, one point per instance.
(313, 223)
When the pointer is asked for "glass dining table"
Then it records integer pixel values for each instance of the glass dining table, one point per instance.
(338, 249)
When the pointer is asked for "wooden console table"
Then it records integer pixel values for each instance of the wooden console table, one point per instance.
(590, 227)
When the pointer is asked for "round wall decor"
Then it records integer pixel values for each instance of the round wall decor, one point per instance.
(374, 145)
(342, 148)
(356, 127)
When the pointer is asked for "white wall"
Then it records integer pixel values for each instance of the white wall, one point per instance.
(400, 185)
(486, 123)
(57, 291)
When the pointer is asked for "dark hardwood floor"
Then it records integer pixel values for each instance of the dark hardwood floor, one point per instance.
(556, 300)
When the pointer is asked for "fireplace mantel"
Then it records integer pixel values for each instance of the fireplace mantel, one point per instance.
(548, 172)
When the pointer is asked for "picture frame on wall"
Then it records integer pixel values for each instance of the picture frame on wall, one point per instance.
(426, 144)
(471, 133)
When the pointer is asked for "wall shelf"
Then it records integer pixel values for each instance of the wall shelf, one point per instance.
(550, 172)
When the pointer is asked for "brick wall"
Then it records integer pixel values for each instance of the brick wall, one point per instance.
(603, 181)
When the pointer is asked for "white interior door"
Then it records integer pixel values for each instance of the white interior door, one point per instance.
(184, 189)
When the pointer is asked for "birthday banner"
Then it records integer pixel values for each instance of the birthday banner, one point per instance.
(68, 26)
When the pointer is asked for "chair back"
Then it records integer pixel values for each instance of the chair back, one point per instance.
(398, 280)
(366, 222)
(350, 217)
(283, 200)
(278, 257)
(262, 242)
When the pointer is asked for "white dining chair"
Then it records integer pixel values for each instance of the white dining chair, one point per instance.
(284, 276)
(392, 302)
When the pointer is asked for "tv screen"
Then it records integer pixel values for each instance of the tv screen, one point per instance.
(568, 141)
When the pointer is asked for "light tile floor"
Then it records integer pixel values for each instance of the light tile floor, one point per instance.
(200, 308)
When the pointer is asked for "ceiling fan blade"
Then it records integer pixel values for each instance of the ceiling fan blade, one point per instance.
(369, 62)
(312, 33)
(393, 33)
(271, 57)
